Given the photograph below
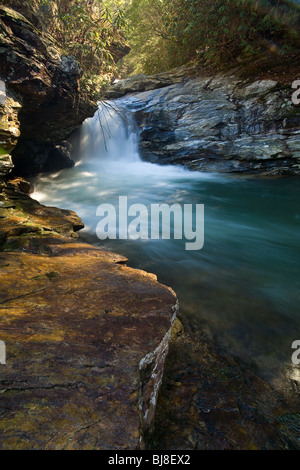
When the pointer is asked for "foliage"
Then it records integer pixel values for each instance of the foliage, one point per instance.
(168, 33)
(148, 38)
(92, 31)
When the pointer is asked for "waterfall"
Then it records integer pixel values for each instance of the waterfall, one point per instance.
(109, 138)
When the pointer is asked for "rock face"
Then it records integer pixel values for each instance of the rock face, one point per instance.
(219, 124)
(141, 82)
(38, 13)
(86, 337)
(46, 83)
(9, 128)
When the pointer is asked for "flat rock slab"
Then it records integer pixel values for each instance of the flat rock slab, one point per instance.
(86, 339)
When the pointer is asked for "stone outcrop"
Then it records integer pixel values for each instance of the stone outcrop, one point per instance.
(9, 128)
(46, 83)
(86, 340)
(218, 124)
(86, 336)
(40, 14)
(24, 223)
(142, 82)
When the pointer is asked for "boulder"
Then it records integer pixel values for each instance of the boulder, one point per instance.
(218, 124)
(142, 82)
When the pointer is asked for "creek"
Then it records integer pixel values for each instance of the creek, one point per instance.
(243, 284)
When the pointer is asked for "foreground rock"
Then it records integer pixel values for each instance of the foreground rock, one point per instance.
(218, 123)
(24, 223)
(86, 336)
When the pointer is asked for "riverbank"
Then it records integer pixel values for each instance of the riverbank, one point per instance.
(86, 336)
(76, 333)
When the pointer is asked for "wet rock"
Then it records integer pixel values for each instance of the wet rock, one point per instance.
(219, 123)
(86, 341)
(136, 84)
(59, 157)
(20, 184)
(9, 128)
(47, 84)
(86, 336)
(31, 158)
(25, 222)
(211, 401)
(142, 82)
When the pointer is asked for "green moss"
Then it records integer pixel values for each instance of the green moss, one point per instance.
(52, 275)
(2, 151)
(9, 13)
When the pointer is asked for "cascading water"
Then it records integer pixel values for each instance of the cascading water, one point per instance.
(245, 281)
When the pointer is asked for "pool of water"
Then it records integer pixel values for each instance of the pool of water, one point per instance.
(244, 283)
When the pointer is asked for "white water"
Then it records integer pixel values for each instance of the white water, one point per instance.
(245, 281)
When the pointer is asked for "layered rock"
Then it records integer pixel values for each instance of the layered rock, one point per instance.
(37, 12)
(46, 82)
(220, 124)
(25, 223)
(9, 128)
(142, 82)
(80, 333)
(86, 336)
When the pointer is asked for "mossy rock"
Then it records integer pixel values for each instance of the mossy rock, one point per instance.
(14, 15)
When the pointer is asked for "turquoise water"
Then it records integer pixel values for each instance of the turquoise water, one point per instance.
(245, 282)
